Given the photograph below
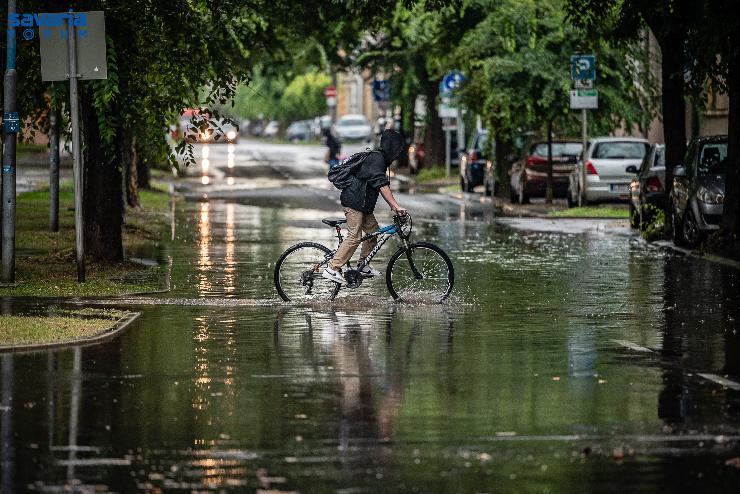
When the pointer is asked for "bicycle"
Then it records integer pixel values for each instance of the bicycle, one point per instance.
(428, 271)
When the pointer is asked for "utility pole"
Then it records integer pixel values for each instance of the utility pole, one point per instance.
(11, 125)
(584, 139)
(77, 161)
(54, 169)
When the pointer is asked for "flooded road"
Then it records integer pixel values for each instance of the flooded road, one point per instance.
(576, 362)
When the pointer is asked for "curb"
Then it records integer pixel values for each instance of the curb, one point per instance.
(105, 335)
(669, 246)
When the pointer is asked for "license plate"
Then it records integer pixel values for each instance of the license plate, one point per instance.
(619, 188)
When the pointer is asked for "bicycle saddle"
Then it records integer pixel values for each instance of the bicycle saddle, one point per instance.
(334, 222)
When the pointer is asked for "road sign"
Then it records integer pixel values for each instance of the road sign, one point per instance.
(91, 61)
(447, 111)
(381, 90)
(584, 99)
(451, 81)
(331, 101)
(330, 92)
(582, 67)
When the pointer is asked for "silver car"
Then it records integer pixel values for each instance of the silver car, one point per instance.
(611, 164)
(354, 128)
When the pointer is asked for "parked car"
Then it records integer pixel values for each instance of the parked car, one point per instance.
(299, 131)
(698, 192)
(272, 129)
(647, 189)
(474, 163)
(611, 163)
(354, 128)
(529, 175)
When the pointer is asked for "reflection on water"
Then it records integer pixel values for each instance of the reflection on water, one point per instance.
(526, 389)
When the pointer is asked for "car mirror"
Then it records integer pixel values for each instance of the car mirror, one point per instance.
(679, 171)
(631, 169)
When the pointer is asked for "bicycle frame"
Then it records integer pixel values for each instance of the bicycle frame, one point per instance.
(384, 233)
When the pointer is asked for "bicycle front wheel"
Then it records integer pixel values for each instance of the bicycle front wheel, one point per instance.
(298, 274)
(423, 272)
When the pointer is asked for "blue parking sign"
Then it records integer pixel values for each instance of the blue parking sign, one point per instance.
(583, 67)
(381, 90)
(450, 82)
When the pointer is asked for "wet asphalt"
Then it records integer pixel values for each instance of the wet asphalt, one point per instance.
(572, 357)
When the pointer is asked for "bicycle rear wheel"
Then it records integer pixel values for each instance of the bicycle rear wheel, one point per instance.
(298, 274)
(422, 273)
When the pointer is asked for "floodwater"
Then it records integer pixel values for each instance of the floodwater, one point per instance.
(582, 362)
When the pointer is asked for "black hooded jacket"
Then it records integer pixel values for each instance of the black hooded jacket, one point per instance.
(363, 193)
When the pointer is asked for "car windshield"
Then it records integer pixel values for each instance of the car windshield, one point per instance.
(713, 158)
(559, 149)
(351, 122)
(620, 150)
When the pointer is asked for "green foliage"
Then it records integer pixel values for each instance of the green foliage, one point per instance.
(654, 225)
(273, 99)
(517, 60)
(592, 212)
(431, 173)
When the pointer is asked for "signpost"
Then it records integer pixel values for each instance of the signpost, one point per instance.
(450, 83)
(75, 52)
(11, 126)
(330, 93)
(583, 97)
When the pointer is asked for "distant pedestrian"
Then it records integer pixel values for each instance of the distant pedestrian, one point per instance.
(334, 148)
(359, 201)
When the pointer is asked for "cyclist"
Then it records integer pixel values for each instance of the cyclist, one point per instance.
(359, 201)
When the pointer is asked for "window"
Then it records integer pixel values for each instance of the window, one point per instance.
(559, 149)
(712, 158)
(617, 150)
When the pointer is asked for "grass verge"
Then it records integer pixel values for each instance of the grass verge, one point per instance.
(60, 328)
(45, 263)
(592, 212)
(430, 174)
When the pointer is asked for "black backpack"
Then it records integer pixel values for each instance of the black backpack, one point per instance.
(341, 175)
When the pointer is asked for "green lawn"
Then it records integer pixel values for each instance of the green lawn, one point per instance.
(74, 325)
(592, 212)
(45, 263)
(429, 174)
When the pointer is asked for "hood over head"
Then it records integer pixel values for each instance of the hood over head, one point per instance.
(391, 145)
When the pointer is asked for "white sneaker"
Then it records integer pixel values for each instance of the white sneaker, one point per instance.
(331, 275)
(369, 272)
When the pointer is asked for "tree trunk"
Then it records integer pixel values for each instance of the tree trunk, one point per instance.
(103, 201)
(731, 210)
(674, 107)
(434, 140)
(127, 152)
(548, 190)
(503, 166)
(143, 173)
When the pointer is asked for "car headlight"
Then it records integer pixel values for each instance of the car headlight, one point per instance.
(231, 134)
(709, 196)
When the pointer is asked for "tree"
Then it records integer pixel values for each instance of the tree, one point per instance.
(624, 21)
(517, 59)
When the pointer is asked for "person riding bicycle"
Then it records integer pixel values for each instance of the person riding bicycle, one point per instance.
(359, 201)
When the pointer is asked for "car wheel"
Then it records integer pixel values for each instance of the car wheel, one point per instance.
(677, 226)
(691, 232)
(634, 217)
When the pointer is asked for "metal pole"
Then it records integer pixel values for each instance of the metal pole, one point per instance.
(9, 141)
(54, 170)
(584, 139)
(448, 143)
(77, 163)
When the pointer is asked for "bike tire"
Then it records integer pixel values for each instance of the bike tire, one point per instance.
(420, 245)
(281, 260)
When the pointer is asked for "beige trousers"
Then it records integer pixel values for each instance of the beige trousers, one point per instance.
(357, 222)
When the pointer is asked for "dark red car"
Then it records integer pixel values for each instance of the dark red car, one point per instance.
(529, 175)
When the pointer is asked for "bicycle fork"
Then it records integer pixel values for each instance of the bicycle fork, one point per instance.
(407, 248)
